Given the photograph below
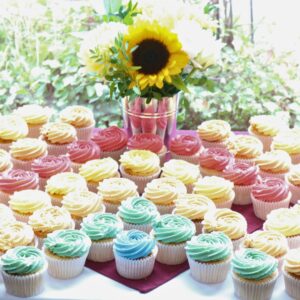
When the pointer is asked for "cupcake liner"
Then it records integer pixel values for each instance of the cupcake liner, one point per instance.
(56, 201)
(5, 146)
(242, 194)
(20, 217)
(193, 159)
(113, 154)
(77, 223)
(280, 263)
(56, 149)
(101, 251)
(245, 160)
(140, 181)
(75, 167)
(111, 207)
(4, 197)
(162, 156)
(293, 241)
(226, 204)
(21, 164)
(295, 190)
(142, 227)
(249, 289)
(40, 242)
(266, 140)
(171, 254)
(209, 272)
(84, 133)
(209, 172)
(237, 243)
(136, 268)
(295, 158)
(207, 144)
(25, 285)
(189, 188)
(165, 209)
(42, 183)
(264, 174)
(199, 226)
(262, 208)
(34, 130)
(292, 285)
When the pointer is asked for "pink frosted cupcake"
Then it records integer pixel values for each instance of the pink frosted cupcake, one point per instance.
(112, 141)
(16, 180)
(80, 152)
(244, 176)
(186, 147)
(293, 180)
(214, 160)
(269, 194)
(50, 165)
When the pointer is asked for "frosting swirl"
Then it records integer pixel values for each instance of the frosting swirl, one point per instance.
(5, 163)
(275, 161)
(12, 128)
(214, 130)
(58, 133)
(288, 141)
(146, 141)
(294, 176)
(292, 262)
(78, 116)
(185, 145)
(6, 215)
(34, 114)
(28, 149)
(83, 151)
(215, 158)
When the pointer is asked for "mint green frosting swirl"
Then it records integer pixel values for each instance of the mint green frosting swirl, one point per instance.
(68, 243)
(173, 229)
(100, 226)
(253, 264)
(138, 210)
(209, 247)
(22, 260)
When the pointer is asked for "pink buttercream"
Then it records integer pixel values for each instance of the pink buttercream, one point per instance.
(110, 139)
(270, 189)
(50, 165)
(18, 180)
(185, 145)
(215, 158)
(145, 141)
(241, 173)
(83, 151)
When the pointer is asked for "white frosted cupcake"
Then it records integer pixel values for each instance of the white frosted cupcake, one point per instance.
(6, 215)
(5, 162)
(293, 181)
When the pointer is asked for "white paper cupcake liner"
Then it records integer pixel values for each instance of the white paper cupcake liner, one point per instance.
(101, 251)
(25, 285)
(242, 194)
(266, 140)
(4, 198)
(293, 241)
(292, 285)
(264, 174)
(142, 227)
(193, 159)
(113, 154)
(20, 217)
(207, 144)
(111, 207)
(21, 164)
(210, 172)
(225, 204)
(262, 208)
(165, 209)
(136, 268)
(171, 254)
(295, 190)
(295, 158)
(76, 167)
(209, 272)
(237, 243)
(40, 242)
(84, 133)
(245, 160)
(250, 289)
(5, 146)
(34, 130)
(56, 149)
(199, 226)
(93, 187)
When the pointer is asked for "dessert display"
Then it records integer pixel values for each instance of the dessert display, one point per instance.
(293, 181)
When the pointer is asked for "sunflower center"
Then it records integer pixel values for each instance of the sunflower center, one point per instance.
(151, 55)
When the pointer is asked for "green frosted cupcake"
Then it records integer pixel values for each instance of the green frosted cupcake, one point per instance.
(23, 269)
(66, 252)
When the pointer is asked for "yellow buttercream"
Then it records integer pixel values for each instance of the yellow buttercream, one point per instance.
(5, 163)
(232, 223)
(34, 114)
(275, 161)
(58, 133)
(96, 170)
(12, 128)
(214, 130)
(294, 176)
(292, 262)
(288, 141)
(6, 215)
(78, 116)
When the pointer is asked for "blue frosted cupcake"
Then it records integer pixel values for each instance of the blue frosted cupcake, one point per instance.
(135, 252)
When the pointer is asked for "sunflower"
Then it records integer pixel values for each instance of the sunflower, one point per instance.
(158, 53)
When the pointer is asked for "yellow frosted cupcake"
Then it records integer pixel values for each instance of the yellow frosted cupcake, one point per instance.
(12, 128)
(140, 166)
(35, 116)
(5, 163)
(275, 163)
(214, 133)
(184, 171)
(96, 170)
(218, 189)
(82, 203)
(61, 184)
(194, 207)
(58, 136)
(163, 192)
(6, 215)
(232, 223)
(115, 190)
(293, 180)
(25, 203)
(24, 151)
(81, 118)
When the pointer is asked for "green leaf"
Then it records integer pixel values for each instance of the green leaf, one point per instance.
(179, 83)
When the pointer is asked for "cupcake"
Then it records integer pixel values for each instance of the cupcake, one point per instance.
(96, 170)
(271, 242)
(172, 233)
(16, 180)
(193, 207)
(186, 147)
(214, 160)
(24, 151)
(269, 194)
(186, 172)
(135, 253)
(82, 203)
(112, 141)
(115, 190)
(148, 141)
(140, 166)
(12, 128)
(291, 271)
(49, 166)
(6, 215)
(5, 163)
(138, 213)
(209, 257)
(81, 118)
(23, 269)
(275, 163)
(81, 152)
(102, 228)
(62, 184)
(163, 192)
(245, 148)
(35, 116)
(254, 274)
(293, 181)
(232, 223)
(214, 133)
(218, 189)
(66, 252)
(243, 175)
(58, 137)
(24, 203)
